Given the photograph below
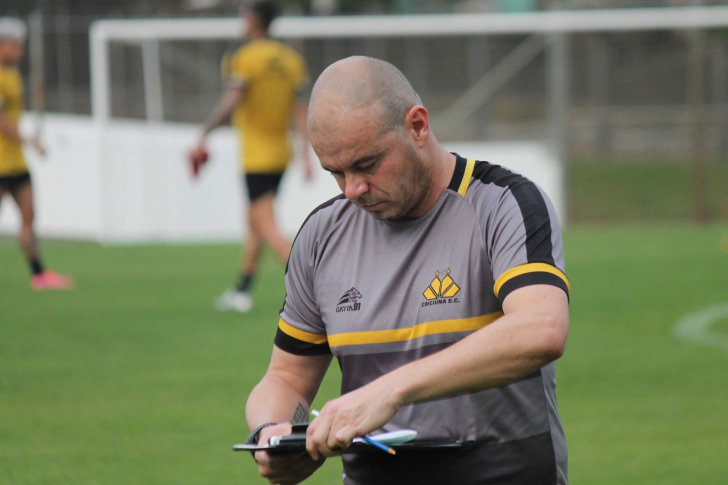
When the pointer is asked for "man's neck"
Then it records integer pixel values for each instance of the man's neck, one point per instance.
(443, 168)
(443, 171)
(258, 35)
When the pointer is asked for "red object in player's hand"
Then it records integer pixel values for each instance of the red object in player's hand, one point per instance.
(198, 157)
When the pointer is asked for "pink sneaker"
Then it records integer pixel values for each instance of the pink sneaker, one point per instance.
(49, 280)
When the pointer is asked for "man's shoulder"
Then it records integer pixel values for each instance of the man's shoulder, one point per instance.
(489, 173)
(490, 178)
(328, 215)
(494, 189)
(246, 51)
(11, 81)
(260, 51)
(291, 52)
(8, 74)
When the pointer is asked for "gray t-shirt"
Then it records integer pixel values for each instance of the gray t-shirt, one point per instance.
(379, 294)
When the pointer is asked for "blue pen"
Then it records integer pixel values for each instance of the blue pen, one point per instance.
(379, 445)
(368, 440)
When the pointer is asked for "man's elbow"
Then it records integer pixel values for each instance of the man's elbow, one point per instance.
(552, 337)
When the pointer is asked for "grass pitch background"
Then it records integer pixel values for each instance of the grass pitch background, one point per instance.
(133, 378)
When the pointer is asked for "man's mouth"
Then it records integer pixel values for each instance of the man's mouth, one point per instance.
(370, 206)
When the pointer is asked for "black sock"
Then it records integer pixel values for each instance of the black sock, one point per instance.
(35, 266)
(246, 280)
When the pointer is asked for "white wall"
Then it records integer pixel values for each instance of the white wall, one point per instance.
(132, 183)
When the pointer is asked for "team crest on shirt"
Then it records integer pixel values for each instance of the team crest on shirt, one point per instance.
(442, 289)
(349, 301)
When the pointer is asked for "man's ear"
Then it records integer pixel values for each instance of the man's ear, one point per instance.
(417, 124)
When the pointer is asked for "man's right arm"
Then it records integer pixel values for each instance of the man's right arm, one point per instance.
(284, 395)
(198, 154)
(287, 389)
(225, 106)
(9, 130)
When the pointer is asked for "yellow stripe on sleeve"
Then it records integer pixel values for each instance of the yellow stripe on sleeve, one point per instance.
(291, 331)
(529, 268)
(465, 182)
(421, 330)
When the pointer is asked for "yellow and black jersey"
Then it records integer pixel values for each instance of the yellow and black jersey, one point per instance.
(272, 74)
(12, 161)
(378, 295)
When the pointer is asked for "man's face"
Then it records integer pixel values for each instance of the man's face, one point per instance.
(11, 51)
(379, 172)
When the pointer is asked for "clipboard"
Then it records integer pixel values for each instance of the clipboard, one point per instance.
(296, 442)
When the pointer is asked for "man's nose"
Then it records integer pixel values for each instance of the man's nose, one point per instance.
(355, 187)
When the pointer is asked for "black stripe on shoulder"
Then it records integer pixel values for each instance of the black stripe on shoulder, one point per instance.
(298, 347)
(528, 279)
(457, 176)
(533, 208)
(326, 204)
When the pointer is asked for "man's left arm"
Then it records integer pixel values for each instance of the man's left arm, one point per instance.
(531, 334)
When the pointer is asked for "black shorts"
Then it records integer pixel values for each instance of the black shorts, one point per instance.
(260, 184)
(11, 183)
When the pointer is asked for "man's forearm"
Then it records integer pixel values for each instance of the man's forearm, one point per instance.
(223, 109)
(274, 401)
(504, 351)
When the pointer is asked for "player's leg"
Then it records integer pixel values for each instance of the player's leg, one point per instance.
(250, 254)
(262, 219)
(239, 298)
(42, 279)
(23, 195)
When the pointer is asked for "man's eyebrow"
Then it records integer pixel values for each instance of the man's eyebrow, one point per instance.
(358, 162)
(366, 159)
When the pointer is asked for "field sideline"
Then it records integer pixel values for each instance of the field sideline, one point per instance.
(132, 378)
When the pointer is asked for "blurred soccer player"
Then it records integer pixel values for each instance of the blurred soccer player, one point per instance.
(14, 176)
(266, 89)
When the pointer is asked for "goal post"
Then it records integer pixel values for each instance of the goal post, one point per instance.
(445, 56)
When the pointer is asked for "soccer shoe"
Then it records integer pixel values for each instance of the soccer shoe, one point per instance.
(50, 280)
(237, 301)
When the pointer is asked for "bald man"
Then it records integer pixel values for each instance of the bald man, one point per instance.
(438, 283)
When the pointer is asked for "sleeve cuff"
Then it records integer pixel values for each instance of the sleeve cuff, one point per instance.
(530, 274)
(300, 342)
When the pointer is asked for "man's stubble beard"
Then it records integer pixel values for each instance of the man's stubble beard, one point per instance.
(413, 185)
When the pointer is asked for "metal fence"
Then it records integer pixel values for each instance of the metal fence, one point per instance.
(631, 93)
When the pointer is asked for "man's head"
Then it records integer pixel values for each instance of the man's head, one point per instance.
(12, 40)
(369, 129)
(258, 17)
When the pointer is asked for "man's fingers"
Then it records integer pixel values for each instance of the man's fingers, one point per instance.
(340, 439)
(313, 435)
(346, 435)
(271, 465)
(288, 468)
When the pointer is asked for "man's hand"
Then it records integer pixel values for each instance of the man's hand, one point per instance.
(198, 156)
(284, 468)
(352, 415)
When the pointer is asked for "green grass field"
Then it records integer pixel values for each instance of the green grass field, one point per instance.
(133, 378)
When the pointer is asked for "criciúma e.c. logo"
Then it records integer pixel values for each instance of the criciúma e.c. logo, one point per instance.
(349, 301)
(442, 289)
